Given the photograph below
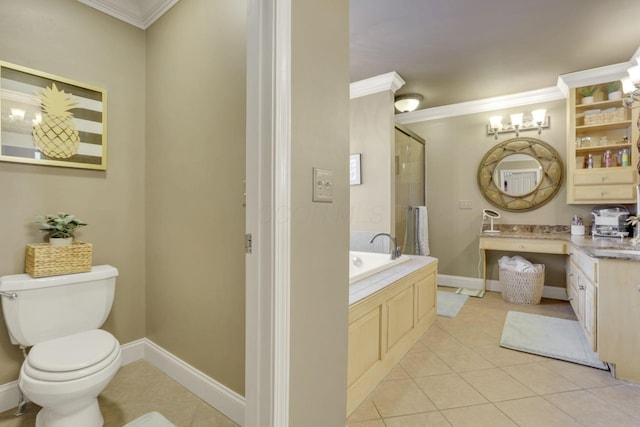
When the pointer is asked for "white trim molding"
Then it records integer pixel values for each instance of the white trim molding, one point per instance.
(551, 292)
(594, 75)
(390, 81)
(140, 13)
(482, 105)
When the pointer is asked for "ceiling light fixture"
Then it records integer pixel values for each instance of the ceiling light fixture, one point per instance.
(407, 102)
(631, 87)
(539, 120)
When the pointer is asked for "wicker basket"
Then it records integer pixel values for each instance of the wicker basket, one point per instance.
(522, 287)
(42, 259)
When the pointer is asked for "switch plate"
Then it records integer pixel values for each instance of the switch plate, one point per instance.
(322, 185)
(465, 204)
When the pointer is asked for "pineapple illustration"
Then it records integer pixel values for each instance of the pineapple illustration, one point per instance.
(56, 135)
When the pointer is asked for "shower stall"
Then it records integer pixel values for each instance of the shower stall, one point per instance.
(411, 225)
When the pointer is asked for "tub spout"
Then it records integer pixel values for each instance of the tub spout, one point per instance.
(395, 249)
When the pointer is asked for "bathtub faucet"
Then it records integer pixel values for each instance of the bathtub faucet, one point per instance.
(395, 250)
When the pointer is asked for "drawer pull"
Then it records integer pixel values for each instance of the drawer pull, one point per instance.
(602, 193)
(603, 177)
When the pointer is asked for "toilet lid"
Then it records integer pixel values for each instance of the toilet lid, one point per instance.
(72, 357)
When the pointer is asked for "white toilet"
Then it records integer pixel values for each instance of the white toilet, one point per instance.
(71, 360)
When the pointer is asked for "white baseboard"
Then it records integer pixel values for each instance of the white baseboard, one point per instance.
(206, 388)
(552, 292)
(9, 396)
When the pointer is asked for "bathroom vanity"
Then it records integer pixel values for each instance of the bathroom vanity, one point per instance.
(385, 324)
(603, 287)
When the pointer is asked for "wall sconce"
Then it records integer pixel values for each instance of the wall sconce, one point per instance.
(407, 102)
(539, 120)
(631, 87)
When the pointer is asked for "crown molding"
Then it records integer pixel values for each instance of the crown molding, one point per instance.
(482, 105)
(133, 12)
(595, 75)
(390, 81)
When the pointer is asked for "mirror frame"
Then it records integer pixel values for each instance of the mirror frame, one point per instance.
(552, 174)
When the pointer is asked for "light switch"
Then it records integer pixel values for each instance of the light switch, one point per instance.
(322, 185)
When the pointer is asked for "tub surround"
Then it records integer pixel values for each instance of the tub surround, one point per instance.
(388, 312)
(363, 288)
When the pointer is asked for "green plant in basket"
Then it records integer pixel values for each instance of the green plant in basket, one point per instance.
(61, 225)
(612, 87)
(588, 90)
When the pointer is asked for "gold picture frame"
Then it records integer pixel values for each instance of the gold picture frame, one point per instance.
(51, 120)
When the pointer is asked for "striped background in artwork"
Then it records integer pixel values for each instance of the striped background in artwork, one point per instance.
(19, 90)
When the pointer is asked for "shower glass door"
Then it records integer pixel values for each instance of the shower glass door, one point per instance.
(409, 181)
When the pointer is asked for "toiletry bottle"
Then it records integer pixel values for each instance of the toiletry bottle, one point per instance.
(588, 161)
(607, 159)
(625, 157)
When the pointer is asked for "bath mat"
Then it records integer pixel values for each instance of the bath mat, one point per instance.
(152, 419)
(450, 303)
(549, 336)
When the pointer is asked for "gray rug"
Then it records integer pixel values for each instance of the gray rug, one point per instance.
(549, 336)
(450, 303)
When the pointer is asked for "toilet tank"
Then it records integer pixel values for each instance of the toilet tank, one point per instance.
(56, 306)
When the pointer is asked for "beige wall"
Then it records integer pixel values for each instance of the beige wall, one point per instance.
(68, 39)
(372, 134)
(195, 172)
(455, 147)
(319, 231)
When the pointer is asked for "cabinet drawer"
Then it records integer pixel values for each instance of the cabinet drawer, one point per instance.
(605, 176)
(588, 265)
(524, 245)
(604, 193)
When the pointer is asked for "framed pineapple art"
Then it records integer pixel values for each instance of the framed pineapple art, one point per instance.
(51, 120)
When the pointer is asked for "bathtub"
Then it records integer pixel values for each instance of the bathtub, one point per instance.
(365, 264)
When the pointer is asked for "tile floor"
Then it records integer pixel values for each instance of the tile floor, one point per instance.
(458, 375)
(139, 388)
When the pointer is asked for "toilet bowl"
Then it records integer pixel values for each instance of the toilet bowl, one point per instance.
(71, 361)
(65, 376)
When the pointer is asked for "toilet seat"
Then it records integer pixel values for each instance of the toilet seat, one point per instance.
(72, 357)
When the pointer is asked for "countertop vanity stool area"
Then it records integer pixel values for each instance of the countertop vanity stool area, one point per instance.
(602, 285)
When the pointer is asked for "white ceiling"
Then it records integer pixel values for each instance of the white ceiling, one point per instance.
(453, 51)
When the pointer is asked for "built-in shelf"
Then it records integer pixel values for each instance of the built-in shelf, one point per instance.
(601, 148)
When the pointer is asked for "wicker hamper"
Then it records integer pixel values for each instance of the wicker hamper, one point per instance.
(522, 287)
(42, 259)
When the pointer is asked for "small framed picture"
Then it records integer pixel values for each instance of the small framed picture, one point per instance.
(355, 176)
(51, 120)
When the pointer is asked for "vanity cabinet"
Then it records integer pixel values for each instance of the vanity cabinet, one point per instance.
(619, 317)
(384, 326)
(605, 295)
(582, 290)
(597, 130)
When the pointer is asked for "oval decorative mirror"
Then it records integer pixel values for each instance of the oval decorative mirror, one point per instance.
(520, 174)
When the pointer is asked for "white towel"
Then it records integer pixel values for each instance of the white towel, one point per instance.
(417, 231)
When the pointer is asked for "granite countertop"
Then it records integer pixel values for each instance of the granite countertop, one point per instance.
(596, 247)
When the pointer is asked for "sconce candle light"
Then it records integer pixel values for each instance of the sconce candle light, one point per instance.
(539, 120)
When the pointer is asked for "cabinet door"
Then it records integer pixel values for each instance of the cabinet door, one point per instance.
(572, 287)
(590, 309)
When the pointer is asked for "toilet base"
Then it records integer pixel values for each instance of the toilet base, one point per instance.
(88, 416)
